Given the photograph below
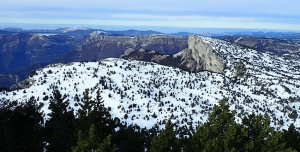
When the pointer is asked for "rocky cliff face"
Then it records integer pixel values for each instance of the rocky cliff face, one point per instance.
(199, 56)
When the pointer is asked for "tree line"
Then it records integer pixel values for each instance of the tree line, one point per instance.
(25, 127)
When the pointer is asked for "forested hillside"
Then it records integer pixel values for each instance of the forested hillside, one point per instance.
(92, 128)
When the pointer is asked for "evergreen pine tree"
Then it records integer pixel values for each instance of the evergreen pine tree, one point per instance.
(59, 128)
(260, 135)
(219, 133)
(21, 126)
(92, 111)
(129, 138)
(91, 143)
(166, 141)
(292, 138)
(106, 145)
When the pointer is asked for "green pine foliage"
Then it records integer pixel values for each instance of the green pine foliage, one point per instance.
(106, 145)
(219, 133)
(292, 138)
(93, 113)
(91, 143)
(222, 133)
(260, 135)
(59, 128)
(165, 141)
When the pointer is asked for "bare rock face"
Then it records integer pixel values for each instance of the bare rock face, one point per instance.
(240, 68)
(22, 84)
(199, 56)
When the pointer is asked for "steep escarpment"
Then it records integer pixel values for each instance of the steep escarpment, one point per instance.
(198, 56)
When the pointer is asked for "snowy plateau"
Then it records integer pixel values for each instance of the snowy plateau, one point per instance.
(149, 93)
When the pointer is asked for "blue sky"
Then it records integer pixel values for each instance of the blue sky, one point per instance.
(243, 14)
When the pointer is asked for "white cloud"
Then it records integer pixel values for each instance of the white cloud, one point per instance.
(168, 12)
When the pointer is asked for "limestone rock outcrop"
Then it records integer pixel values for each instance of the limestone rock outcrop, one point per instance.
(199, 56)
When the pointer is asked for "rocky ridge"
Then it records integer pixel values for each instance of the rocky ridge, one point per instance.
(266, 44)
(199, 56)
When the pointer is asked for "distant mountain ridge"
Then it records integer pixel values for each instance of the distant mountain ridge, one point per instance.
(79, 31)
(267, 44)
(21, 51)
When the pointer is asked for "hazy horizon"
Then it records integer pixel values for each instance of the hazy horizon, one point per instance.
(161, 29)
(189, 14)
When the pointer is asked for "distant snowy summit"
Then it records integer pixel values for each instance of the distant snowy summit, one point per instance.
(70, 29)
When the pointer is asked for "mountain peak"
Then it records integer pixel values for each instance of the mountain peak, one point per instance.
(199, 56)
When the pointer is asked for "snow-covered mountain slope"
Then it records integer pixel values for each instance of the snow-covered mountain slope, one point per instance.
(149, 93)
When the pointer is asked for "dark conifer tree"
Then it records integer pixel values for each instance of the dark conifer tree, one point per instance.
(292, 138)
(91, 143)
(260, 135)
(92, 111)
(128, 138)
(59, 128)
(21, 126)
(219, 133)
(166, 141)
